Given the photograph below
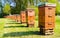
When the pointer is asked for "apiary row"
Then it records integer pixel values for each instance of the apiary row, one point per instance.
(27, 16)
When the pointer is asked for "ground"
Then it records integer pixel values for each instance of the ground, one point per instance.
(12, 29)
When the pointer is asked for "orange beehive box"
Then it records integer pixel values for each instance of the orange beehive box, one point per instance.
(47, 25)
(13, 17)
(30, 17)
(47, 16)
(23, 16)
(8, 17)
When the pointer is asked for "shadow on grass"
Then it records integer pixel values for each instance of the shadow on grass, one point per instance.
(21, 33)
(13, 23)
(14, 26)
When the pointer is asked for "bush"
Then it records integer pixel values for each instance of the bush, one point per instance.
(57, 13)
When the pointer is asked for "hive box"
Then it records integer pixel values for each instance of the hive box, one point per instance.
(23, 16)
(47, 17)
(13, 17)
(18, 18)
(30, 17)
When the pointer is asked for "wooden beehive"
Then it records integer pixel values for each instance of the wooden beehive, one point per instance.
(47, 17)
(13, 17)
(30, 17)
(23, 16)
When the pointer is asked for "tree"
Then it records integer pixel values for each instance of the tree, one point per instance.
(18, 6)
(23, 4)
(1, 11)
(7, 9)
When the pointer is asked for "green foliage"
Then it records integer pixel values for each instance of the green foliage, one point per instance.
(20, 5)
(58, 8)
(36, 10)
(23, 4)
(52, 1)
(7, 8)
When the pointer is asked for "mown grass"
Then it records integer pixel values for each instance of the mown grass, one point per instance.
(1, 27)
(13, 29)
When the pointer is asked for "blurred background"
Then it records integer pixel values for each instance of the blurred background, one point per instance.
(9, 7)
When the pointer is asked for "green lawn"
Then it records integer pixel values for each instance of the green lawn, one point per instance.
(13, 29)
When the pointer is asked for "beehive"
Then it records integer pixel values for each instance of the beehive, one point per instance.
(13, 17)
(23, 16)
(30, 17)
(47, 18)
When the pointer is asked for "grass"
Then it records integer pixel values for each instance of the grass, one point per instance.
(57, 27)
(1, 27)
(13, 29)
